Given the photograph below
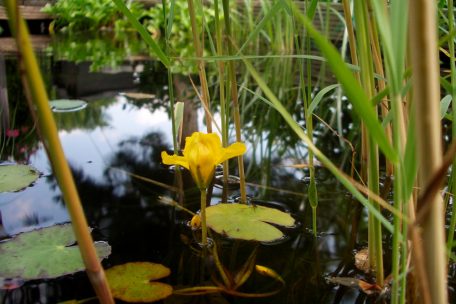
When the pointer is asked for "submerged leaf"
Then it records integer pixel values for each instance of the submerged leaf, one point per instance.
(240, 221)
(44, 253)
(131, 282)
(16, 177)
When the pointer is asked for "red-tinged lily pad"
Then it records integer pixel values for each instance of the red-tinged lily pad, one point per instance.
(240, 221)
(44, 253)
(16, 177)
(134, 282)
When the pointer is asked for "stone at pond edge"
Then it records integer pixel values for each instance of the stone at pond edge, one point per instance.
(16, 177)
(245, 222)
(44, 254)
(132, 282)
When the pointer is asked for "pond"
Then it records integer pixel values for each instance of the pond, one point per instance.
(113, 147)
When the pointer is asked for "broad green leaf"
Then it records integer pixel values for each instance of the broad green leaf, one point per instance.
(132, 282)
(44, 253)
(240, 221)
(67, 105)
(16, 177)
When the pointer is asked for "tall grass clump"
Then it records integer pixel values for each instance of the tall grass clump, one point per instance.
(392, 84)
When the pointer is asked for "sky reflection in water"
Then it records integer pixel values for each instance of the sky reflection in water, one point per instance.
(87, 150)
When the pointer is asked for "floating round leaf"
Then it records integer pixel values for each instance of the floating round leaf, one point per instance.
(240, 221)
(16, 177)
(132, 282)
(67, 105)
(44, 253)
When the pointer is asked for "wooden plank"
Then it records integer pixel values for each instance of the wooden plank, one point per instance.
(28, 12)
(8, 44)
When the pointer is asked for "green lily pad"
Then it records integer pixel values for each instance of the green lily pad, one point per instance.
(133, 282)
(16, 177)
(67, 105)
(44, 253)
(240, 221)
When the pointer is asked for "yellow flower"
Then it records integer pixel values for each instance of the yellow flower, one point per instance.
(201, 154)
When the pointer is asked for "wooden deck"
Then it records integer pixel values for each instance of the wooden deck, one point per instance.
(326, 17)
(8, 44)
(28, 12)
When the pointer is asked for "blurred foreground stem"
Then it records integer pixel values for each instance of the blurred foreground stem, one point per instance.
(39, 105)
(426, 97)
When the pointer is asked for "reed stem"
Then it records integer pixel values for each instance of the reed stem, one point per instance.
(223, 116)
(170, 79)
(203, 217)
(234, 96)
(452, 227)
(426, 97)
(201, 68)
(367, 81)
(37, 98)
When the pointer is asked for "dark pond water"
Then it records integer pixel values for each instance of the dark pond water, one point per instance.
(118, 134)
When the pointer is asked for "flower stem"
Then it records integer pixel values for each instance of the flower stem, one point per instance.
(203, 217)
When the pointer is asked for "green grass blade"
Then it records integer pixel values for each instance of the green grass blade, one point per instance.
(323, 159)
(170, 18)
(352, 89)
(143, 32)
(317, 99)
(275, 9)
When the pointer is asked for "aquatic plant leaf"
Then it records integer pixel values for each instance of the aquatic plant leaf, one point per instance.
(44, 253)
(240, 221)
(132, 282)
(16, 177)
(67, 105)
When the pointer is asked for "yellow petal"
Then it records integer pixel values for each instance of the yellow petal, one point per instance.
(174, 160)
(233, 150)
(211, 141)
(202, 160)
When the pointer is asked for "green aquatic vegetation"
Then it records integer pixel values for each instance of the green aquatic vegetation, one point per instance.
(82, 15)
(136, 282)
(202, 153)
(44, 253)
(241, 221)
(102, 51)
(16, 177)
(67, 105)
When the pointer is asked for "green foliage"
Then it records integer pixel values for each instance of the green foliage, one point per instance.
(245, 222)
(79, 15)
(101, 50)
(180, 42)
(67, 105)
(16, 177)
(44, 253)
(134, 282)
